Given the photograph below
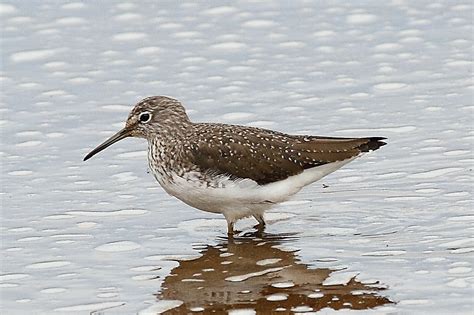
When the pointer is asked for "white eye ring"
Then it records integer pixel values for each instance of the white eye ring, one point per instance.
(144, 117)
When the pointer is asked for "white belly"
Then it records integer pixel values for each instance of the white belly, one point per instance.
(237, 199)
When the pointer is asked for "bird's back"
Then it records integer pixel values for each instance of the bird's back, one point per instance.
(267, 156)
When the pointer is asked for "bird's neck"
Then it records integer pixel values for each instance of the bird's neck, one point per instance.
(171, 133)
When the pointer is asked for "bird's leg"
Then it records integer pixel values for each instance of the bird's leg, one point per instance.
(261, 222)
(230, 229)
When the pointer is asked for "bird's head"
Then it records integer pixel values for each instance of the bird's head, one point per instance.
(149, 117)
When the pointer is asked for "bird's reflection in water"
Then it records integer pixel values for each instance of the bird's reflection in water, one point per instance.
(253, 273)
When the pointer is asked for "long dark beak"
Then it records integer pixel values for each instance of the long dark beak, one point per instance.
(124, 133)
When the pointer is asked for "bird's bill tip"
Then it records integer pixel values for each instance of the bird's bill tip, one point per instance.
(124, 133)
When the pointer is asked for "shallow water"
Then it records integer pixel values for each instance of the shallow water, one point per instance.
(388, 233)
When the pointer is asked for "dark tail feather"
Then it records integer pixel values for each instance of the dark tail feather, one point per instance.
(372, 144)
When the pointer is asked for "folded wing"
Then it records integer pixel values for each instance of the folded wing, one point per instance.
(266, 156)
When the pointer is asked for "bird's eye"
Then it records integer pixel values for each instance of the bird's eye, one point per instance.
(144, 117)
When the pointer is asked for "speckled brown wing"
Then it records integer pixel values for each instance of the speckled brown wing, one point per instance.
(266, 156)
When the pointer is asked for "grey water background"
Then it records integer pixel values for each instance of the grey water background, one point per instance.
(79, 237)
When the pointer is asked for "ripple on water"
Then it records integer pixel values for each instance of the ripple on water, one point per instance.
(252, 274)
(86, 225)
(119, 246)
(31, 143)
(269, 261)
(434, 173)
(133, 154)
(129, 36)
(277, 297)
(160, 307)
(6, 9)
(361, 19)
(389, 86)
(301, 309)
(53, 290)
(242, 311)
(89, 307)
(70, 21)
(259, 24)
(383, 253)
(339, 278)
(48, 264)
(228, 47)
(283, 285)
(124, 212)
(13, 276)
(20, 173)
(32, 55)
